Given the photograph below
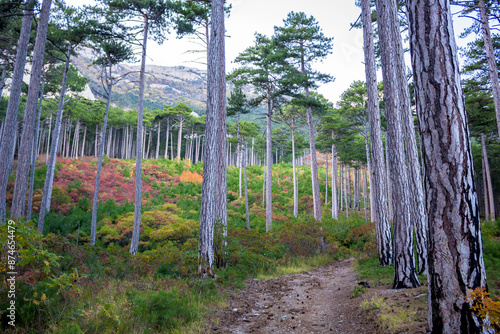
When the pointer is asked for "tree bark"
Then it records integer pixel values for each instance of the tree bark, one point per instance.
(246, 187)
(10, 123)
(23, 161)
(485, 191)
(404, 262)
(417, 197)
(269, 193)
(455, 255)
(49, 176)
(335, 213)
(488, 179)
(93, 223)
(294, 178)
(166, 139)
(221, 183)
(157, 154)
(34, 153)
(179, 138)
(214, 81)
(490, 55)
(134, 244)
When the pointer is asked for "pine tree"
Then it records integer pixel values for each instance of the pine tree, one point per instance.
(305, 44)
(111, 53)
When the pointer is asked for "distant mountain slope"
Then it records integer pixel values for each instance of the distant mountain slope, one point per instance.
(164, 85)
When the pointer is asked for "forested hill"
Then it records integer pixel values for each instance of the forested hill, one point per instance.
(164, 85)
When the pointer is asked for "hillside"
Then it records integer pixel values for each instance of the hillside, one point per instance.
(164, 85)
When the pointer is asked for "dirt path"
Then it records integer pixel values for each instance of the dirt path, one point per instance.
(315, 301)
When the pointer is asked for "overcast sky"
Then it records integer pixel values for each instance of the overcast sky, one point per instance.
(250, 16)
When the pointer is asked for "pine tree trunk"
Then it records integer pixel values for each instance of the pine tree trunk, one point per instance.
(2, 80)
(485, 191)
(221, 183)
(149, 144)
(294, 178)
(404, 262)
(34, 153)
(166, 139)
(214, 81)
(239, 157)
(10, 123)
(49, 177)
(83, 141)
(93, 223)
(335, 213)
(490, 55)
(171, 145)
(179, 139)
(455, 256)
(246, 188)
(96, 140)
(488, 179)
(264, 187)
(314, 165)
(326, 179)
(378, 185)
(76, 140)
(134, 244)
(417, 197)
(29, 120)
(157, 154)
(269, 193)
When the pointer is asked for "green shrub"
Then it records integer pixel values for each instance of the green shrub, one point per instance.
(163, 310)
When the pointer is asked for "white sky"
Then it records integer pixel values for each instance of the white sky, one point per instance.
(250, 16)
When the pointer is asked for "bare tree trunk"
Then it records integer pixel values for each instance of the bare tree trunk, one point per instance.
(404, 262)
(93, 223)
(166, 139)
(490, 55)
(294, 178)
(149, 143)
(269, 193)
(214, 80)
(49, 177)
(76, 140)
(246, 187)
(171, 145)
(221, 183)
(264, 187)
(335, 213)
(134, 244)
(485, 191)
(179, 139)
(314, 165)
(369, 162)
(488, 179)
(158, 141)
(34, 154)
(83, 141)
(239, 159)
(326, 179)
(455, 255)
(417, 198)
(10, 123)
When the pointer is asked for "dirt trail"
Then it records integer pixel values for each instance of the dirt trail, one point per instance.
(315, 301)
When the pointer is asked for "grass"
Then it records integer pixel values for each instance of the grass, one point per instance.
(297, 265)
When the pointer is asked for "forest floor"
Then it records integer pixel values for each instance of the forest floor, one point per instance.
(317, 301)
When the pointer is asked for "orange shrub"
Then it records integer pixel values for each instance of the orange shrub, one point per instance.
(188, 176)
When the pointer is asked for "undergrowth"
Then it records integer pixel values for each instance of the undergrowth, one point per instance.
(64, 285)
